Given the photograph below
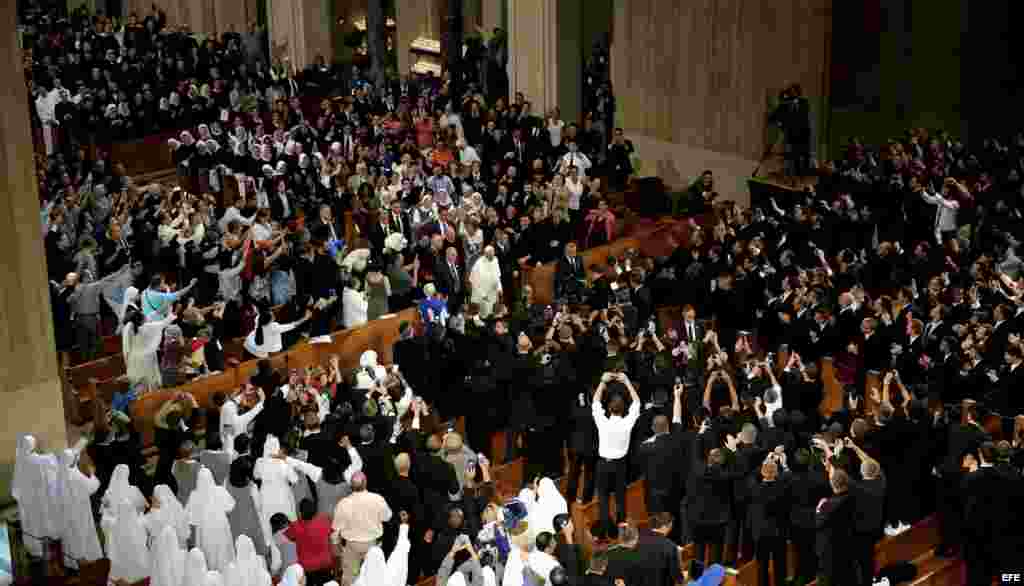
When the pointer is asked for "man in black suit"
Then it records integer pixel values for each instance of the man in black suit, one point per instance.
(769, 512)
(710, 493)
(662, 455)
(399, 221)
(516, 149)
(834, 519)
(582, 450)
(869, 495)
(660, 554)
(449, 279)
(962, 437)
(807, 486)
(379, 232)
(378, 460)
(569, 275)
(987, 502)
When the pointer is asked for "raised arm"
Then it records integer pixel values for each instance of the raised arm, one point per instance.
(677, 404)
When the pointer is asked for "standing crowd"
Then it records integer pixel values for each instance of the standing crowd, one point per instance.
(899, 266)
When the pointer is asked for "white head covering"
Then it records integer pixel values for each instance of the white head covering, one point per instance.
(375, 570)
(170, 512)
(213, 578)
(126, 544)
(456, 579)
(271, 447)
(549, 503)
(131, 299)
(490, 579)
(292, 575)
(207, 499)
(233, 575)
(250, 564)
(120, 489)
(168, 560)
(195, 569)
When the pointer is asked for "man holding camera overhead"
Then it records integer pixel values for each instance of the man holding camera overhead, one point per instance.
(613, 434)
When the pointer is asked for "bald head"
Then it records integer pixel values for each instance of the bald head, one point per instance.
(402, 464)
(358, 482)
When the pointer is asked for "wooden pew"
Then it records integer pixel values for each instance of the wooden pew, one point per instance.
(139, 157)
(917, 541)
(378, 335)
(583, 516)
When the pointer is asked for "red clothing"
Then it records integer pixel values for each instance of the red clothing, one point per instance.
(312, 542)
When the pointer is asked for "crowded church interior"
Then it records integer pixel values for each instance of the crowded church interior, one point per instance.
(512, 293)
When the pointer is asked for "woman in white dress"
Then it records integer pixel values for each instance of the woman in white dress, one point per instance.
(78, 528)
(131, 301)
(168, 560)
(277, 478)
(119, 490)
(265, 339)
(555, 126)
(166, 511)
(126, 545)
(485, 282)
(34, 485)
(355, 307)
(207, 509)
(140, 341)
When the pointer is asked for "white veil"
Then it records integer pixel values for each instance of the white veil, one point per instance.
(126, 545)
(374, 571)
(195, 570)
(168, 559)
(171, 513)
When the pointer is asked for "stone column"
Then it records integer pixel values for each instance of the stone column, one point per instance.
(375, 40)
(30, 395)
(533, 51)
(298, 26)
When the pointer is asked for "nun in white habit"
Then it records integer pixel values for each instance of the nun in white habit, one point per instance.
(195, 570)
(233, 576)
(34, 485)
(250, 564)
(119, 490)
(78, 528)
(549, 503)
(131, 299)
(166, 511)
(126, 545)
(395, 572)
(168, 560)
(277, 478)
(207, 509)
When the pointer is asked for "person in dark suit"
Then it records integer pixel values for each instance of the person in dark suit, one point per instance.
(987, 501)
(807, 486)
(962, 436)
(582, 450)
(379, 231)
(378, 460)
(662, 454)
(659, 552)
(869, 495)
(399, 221)
(834, 520)
(710, 498)
(769, 512)
(569, 275)
(450, 280)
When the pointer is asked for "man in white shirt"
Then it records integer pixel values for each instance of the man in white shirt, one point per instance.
(613, 433)
(233, 423)
(576, 159)
(467, 154)
(234, 214)
(358, 525)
